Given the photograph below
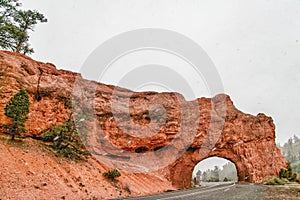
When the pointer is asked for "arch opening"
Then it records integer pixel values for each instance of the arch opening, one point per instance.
(214, 169)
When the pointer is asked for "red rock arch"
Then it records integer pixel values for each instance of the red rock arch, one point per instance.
(220, 130)
(253, 162)
(246, 140)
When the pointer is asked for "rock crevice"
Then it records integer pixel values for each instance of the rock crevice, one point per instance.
(38, 93)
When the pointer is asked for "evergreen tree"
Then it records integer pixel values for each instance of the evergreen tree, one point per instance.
(15, 25)
(204, 176)
(296, 139)
(229, 172)
(17, 109)
(198, 177)
(291, 152)
(215, 174)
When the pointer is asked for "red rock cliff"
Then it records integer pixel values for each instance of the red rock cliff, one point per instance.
(146, 131)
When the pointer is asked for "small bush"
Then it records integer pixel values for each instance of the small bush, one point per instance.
(274, 181)
(112, 174)
(68, 103)
(127, 188)
(65, 141)
(293, 177)
(289, 175)
(283, 173)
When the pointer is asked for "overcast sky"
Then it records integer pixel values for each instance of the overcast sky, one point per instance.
(255, 45)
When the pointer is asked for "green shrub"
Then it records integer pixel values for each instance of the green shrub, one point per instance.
(112, 174)
(65, 140)
(289, 174)
(127, 188)
(283, 173)
(274, 181)
(68, 103)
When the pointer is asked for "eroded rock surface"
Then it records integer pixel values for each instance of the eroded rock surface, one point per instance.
(146, 131)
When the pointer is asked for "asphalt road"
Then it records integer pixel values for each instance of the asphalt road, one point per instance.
(212, 191)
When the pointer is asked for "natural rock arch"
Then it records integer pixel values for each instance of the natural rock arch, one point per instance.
(246, 140)
(181, 171)
(251, 163)
(211, 126)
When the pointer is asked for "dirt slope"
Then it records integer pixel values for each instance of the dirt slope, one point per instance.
(29, 171)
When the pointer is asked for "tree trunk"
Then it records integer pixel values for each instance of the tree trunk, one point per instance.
(21, 41)
(19, 47)
(12, 135)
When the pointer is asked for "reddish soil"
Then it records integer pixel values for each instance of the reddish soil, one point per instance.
(29, 170)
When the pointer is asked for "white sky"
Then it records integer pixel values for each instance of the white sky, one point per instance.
(255, 45)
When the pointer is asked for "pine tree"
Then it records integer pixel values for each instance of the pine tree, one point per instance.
(15, 24)
(17, 109)
(204, 176)
(215, 174)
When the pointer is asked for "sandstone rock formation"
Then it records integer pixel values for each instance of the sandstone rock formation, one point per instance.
(146, 131)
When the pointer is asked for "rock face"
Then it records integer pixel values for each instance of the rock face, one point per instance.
(145, 131)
